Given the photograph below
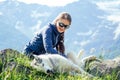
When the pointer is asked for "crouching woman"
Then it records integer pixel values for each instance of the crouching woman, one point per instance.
(50, 39)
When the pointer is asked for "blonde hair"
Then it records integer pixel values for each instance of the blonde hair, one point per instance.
(63, 15)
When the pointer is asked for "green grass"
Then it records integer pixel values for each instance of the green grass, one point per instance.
(23, 71)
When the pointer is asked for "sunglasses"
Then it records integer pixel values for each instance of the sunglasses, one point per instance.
(63, 25)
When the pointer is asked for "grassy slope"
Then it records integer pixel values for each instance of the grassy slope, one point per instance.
(23, 71)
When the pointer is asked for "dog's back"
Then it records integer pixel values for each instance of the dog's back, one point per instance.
(52, 62)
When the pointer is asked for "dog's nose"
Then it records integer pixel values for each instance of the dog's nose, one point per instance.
(50, 71)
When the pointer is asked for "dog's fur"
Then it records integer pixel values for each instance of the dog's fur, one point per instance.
(50, 63)
(81, 62)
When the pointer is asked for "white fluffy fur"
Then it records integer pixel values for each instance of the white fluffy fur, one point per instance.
(58, 64)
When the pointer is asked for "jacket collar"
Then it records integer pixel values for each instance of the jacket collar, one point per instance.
(54, 28)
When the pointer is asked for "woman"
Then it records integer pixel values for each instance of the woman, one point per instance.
(51, 38)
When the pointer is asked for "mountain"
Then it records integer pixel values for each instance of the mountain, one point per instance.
(20, 21)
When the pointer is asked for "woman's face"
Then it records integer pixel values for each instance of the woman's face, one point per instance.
(62, 25)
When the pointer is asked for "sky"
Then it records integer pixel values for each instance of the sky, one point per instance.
(51, 3)
(2, 0)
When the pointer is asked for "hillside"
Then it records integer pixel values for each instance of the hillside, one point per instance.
(14, 66)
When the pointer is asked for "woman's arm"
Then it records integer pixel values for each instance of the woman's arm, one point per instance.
(47, 41)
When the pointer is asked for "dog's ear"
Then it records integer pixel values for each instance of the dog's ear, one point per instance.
(35, 57)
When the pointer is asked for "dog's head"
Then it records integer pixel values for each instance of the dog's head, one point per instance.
(41, 63)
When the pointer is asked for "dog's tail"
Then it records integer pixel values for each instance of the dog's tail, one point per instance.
(81, 52)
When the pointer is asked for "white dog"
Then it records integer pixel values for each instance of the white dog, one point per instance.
(50, 63)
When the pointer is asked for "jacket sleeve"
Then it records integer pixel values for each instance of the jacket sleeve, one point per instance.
(47, 41)
(60, 45)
